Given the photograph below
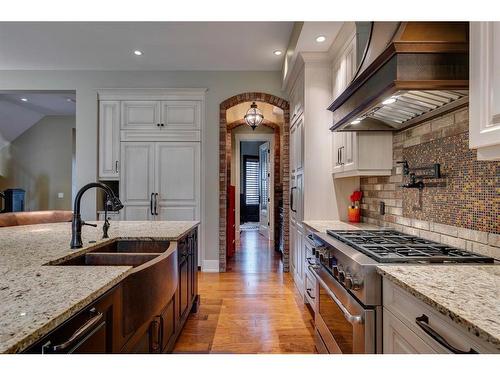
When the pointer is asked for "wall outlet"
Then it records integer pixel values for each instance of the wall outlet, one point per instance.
(60, 195)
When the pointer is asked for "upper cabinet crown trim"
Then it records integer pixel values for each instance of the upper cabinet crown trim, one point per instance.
(153, 94)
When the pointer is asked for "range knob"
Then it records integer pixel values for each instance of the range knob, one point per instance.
(352, 283)
(335, 271)
(341, 276)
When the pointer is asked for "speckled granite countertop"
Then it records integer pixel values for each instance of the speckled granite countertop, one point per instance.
(35, 298)
(322, 225)
(468, 294)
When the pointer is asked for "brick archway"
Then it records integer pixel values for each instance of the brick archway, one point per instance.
(225, 166)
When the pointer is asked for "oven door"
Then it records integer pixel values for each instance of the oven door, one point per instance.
(342, 323)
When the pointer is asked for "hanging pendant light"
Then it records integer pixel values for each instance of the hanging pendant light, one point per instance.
(254, 116)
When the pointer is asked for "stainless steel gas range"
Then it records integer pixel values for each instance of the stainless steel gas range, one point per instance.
(349, 297)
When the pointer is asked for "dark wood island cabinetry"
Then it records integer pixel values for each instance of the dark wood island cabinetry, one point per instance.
(105, 325)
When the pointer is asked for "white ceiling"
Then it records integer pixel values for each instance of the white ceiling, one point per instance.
(166, 45)
(17, 116)
(311, 30)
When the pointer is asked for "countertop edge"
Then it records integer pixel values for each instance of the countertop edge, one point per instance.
(33, 337)
(466, 324)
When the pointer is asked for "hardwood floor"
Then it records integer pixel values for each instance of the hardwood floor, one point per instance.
(252, 308)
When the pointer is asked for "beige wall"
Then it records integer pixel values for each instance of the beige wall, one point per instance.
(39, 161)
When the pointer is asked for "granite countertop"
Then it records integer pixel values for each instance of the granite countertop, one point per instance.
(468, 294)
(322, 225)
(36, 297)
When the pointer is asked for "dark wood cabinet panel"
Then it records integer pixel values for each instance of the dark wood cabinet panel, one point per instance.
(168, 324)
(90, 331)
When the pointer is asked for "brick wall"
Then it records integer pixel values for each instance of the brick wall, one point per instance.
(460, 209)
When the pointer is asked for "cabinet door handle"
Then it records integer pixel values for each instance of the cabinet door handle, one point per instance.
(151, 204)
(308, 291)
(341, 155)
(155, 335)
(116, 166)
(338, 155)
(423, 322)
(87, 326)
(156, 204)
(291, 199)
(309, 261)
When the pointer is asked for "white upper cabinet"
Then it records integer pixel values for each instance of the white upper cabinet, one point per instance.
(109, 140)
(484, 84)
(140, 114)
(181, 115)
(357, 153)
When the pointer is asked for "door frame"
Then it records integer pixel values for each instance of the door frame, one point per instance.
(259, 137)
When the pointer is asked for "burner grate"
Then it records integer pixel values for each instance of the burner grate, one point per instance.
(390, 246)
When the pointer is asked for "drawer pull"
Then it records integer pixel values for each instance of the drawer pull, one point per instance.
(308, 291)
(423, 322)
(309, 261)
(80, 332)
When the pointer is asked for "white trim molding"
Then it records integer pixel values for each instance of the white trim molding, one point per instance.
(152, 94)
(209, 265)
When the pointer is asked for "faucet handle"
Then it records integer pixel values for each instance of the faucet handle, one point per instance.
(90, 225)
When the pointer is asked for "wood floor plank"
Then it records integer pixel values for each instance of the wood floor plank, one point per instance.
(252, 308)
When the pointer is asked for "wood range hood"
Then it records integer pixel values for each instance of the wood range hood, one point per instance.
(410, 72)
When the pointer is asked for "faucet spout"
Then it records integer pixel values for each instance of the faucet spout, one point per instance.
(77, 222)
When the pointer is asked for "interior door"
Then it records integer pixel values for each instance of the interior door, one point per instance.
(264, 189)
(137, 180)
(177, 171)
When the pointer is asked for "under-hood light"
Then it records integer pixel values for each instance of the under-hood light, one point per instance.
(355, 122)
(390, 100)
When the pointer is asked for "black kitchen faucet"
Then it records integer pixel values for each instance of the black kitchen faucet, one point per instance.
(77, 222)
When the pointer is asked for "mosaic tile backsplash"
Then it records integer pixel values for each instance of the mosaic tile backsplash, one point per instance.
(467, 195)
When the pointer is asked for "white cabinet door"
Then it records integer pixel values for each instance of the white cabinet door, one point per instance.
(109, 140)
(338, 140)
(299, 144)
(177, 172)
(399, 339)
(293, 131)
(293, 255)
(137, 179)
(349, 151)
(484, 96)
(181, 115)
(299, 199)
(140, 115)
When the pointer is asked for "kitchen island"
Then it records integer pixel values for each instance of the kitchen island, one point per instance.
(38, 296)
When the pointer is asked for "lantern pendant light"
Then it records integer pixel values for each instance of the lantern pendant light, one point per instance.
(254, 116)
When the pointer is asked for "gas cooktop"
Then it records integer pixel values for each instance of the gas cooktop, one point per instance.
(390, 246)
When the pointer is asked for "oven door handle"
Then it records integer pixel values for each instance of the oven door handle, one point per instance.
(354, 319)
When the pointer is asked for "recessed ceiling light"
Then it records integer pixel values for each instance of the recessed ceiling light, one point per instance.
(390, 100)
(138, 52)
(277, 52)
(70, 100)
(24, 99)
(320, 38)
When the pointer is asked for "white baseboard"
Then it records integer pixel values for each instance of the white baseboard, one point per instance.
(210, 266)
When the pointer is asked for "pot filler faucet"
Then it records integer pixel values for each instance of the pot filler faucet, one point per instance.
(77, 223)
